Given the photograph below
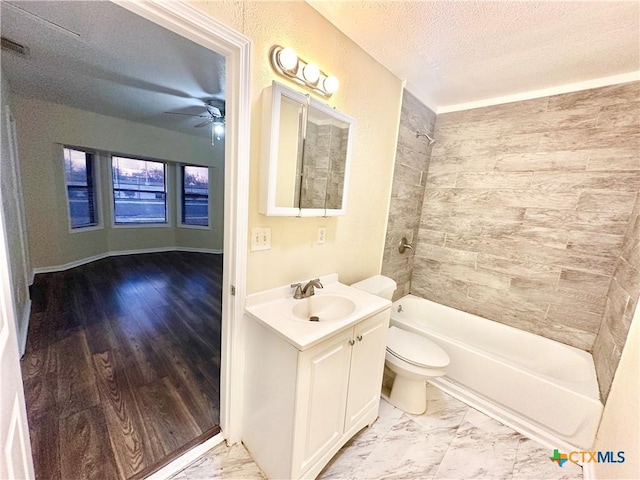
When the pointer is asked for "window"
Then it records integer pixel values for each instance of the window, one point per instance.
(79, 172)
(195, 195)
(139, 191)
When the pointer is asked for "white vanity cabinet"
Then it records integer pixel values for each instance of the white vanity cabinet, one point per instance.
(301, 406)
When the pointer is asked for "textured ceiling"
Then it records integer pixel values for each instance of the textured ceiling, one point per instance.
(458, 52)
(97, 56)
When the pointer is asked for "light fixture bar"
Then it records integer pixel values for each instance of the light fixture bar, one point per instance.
(287, 64)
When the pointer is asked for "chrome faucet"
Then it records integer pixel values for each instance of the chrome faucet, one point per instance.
(307, 290)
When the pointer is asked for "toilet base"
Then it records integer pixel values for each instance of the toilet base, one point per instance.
(409, 395)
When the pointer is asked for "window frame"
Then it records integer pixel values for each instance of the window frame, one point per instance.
(95, 187)
(167, 193)
(181, 199)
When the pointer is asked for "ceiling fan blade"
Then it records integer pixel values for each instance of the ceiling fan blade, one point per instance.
(206, 122)
(186, 114)
(214, 111)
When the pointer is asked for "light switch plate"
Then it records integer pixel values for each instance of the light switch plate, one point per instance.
(260, 238)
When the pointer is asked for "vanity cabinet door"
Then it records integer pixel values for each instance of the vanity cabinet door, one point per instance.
(322, 395)
(367, 364)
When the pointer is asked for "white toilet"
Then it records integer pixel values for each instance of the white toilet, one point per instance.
(412, 357)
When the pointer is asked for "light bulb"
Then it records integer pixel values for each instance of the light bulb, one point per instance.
(311, 73)
(288, 58)
(330, 85)
(218, 129)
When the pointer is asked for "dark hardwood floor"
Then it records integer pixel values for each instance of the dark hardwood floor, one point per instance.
(122, 366)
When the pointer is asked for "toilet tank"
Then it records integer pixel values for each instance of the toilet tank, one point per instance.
(377, 285)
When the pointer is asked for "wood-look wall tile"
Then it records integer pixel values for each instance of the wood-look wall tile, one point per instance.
(454, 195)
(423, 278)
(613, 159)
(631, 247)
(590, 244)
(540, 161)
(432, 237)
(628, 276)
(606, 96)
(519, 268)
(569, 316)
(611, 181)
(619, 115)
(409, 158)
(570, 298)
(550, 237)
(475, 276)
(617, 300)
(610, 223)
(565, 334)
(603, 356)
(407, 138)
(494, 180)
(553, 120)
(606, 201)
(508, 303)
(446, 255)
(587, 281)
(532, 198)
(443, 180)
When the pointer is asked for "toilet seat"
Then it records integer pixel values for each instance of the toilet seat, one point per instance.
(415, 349)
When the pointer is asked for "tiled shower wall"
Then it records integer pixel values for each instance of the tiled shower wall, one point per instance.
(409, 179)
(622, 299)
(526, 211)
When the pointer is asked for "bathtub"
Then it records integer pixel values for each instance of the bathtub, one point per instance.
(540, 387)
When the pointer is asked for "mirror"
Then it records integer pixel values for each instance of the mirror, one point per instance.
(305, 155)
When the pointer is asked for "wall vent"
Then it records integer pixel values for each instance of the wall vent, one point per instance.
(14, 47)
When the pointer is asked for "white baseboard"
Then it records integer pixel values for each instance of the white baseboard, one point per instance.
(24, 328)
(100, 256)
(186, 458)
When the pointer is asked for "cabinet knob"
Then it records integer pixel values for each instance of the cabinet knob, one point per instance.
(352, 342)
(359, 337)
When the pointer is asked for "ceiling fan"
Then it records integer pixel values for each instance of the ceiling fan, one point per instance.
(214, 116)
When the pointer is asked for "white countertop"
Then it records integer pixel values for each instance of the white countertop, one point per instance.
(272, 308)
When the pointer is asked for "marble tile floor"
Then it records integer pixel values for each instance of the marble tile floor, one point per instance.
(449, 441)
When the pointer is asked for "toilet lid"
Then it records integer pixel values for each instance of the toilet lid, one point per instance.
(415, 349)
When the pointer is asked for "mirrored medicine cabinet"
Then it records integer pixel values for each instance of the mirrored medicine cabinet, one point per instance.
(304, 167)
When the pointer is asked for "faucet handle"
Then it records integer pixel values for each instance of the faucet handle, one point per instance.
(298, 293)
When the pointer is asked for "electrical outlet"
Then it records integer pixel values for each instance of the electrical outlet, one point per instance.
(260, 238)
(322, 235)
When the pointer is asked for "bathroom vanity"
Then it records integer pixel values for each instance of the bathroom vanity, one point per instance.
(310, 386)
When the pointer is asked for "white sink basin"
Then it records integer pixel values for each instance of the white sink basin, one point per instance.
(323, 308)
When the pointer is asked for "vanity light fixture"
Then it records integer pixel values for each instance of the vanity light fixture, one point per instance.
(286, 63)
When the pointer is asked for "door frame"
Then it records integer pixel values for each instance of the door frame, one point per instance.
(196, 25)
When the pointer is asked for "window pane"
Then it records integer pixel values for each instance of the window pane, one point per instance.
(139, 191)
(195, 195)
(78, 169)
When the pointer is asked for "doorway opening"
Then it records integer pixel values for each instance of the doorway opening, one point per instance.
(138, 286)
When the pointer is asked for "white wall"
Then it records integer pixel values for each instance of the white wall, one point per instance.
(44, 127)
(20, 268)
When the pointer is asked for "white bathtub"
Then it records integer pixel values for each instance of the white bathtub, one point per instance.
(541, 387)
